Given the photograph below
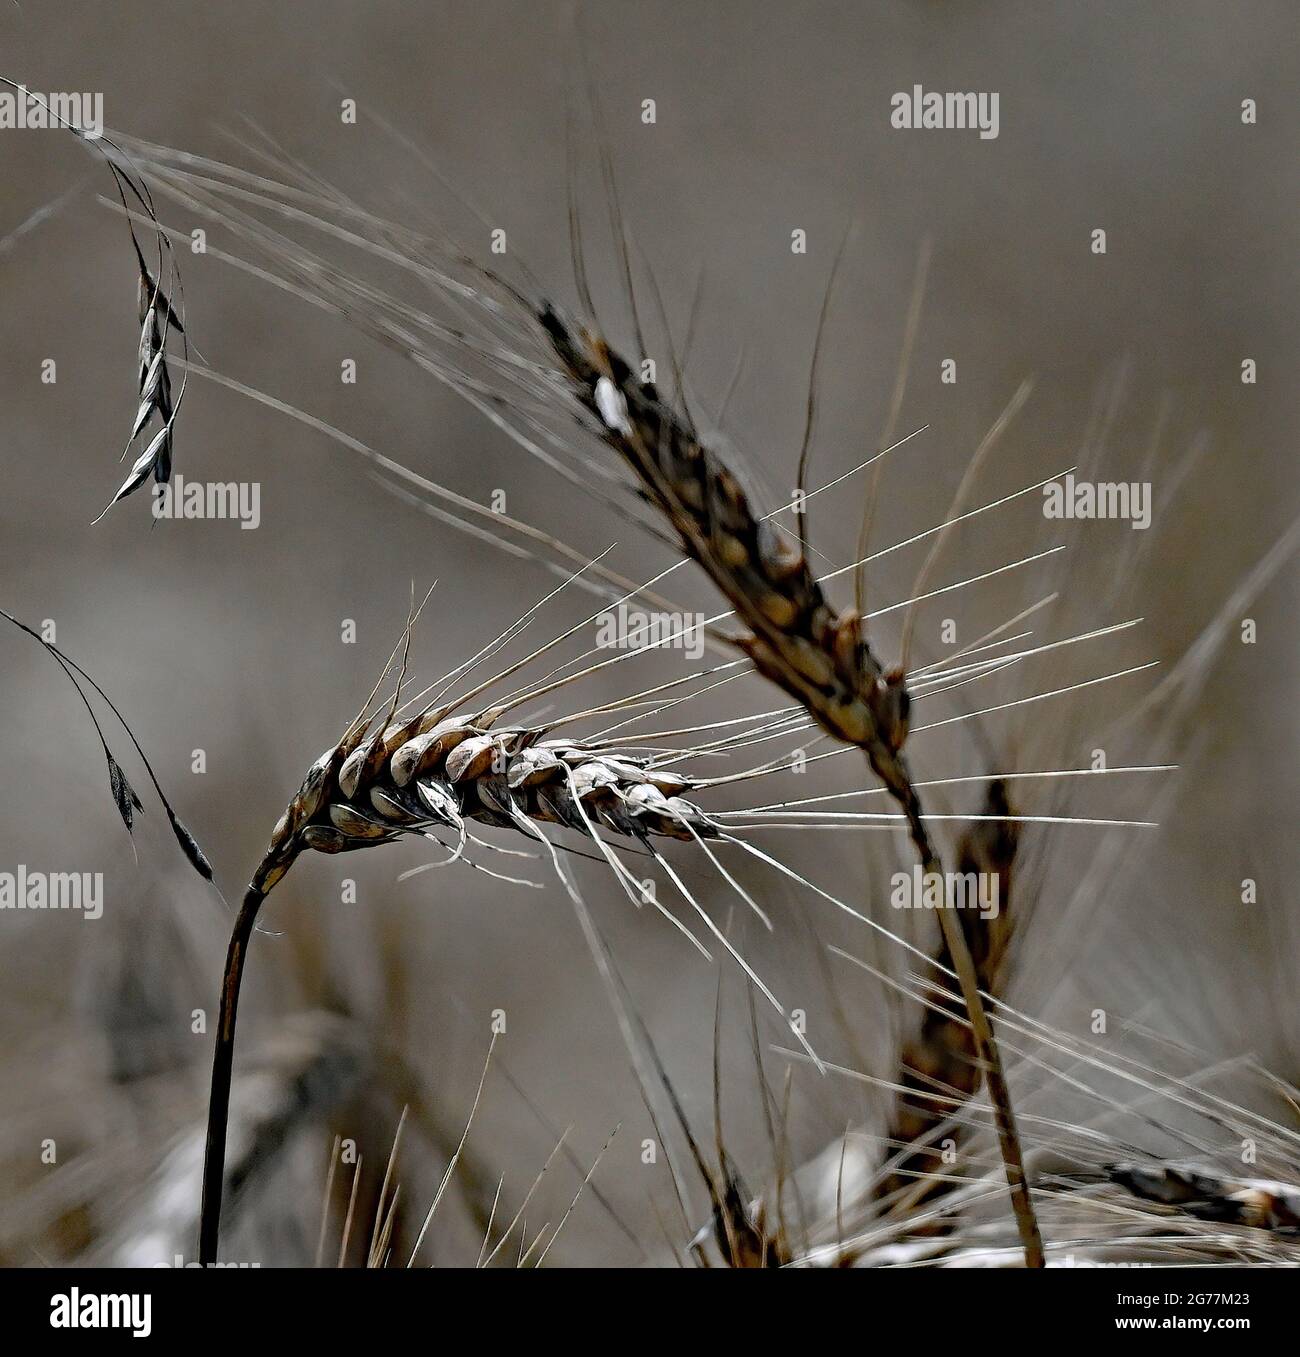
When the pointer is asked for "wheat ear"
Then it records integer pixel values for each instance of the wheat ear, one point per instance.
(427, 774)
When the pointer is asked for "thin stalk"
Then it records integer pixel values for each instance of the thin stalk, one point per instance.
(1031, 1239)
(214, 1153)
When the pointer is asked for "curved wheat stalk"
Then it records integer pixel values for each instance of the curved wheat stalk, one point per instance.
(427, 776)
(433, 773)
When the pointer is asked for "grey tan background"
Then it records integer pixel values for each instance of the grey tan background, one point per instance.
(771, 116)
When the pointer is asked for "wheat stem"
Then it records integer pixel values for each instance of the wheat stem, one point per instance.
(963, 964)
(214, 1151)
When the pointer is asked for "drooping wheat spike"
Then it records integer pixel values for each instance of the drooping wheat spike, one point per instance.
(429, 774)
(821, 657)
(797, 640)
(161, 310)
(435, 772)
(125, 798)
(939, 1068)
(157, 317)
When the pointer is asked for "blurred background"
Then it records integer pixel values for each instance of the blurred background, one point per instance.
(769, 118)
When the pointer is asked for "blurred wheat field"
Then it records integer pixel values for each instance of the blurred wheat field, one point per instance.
(373, 994)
